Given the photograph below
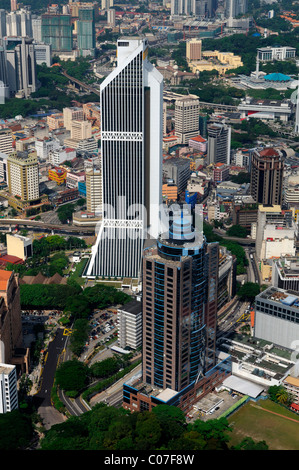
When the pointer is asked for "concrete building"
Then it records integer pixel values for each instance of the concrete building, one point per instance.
(73, 179)
(3, 167)
(21, 66)
(23, 177)
(94, 191)
(276, 233)
(178, 170)
(265, 109)
(285, 273)
(235, 8)
(18, 23)
(198, 143)
(45, 146)
(60, 155)
(276, 317)
(6, 141)
(43, 54)
(37, 29)
(81, 130)
(130, 325)
(193, 49)
(8, 388)
(72, 114)
(19, 246)
(86, 35)
(266, 54)
(2, 23)
(220, 172)
(219, 143)
(56, 30)
(216, 60)
(186, 118)
(266, 176)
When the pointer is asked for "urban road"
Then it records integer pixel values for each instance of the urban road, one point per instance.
(46, 227)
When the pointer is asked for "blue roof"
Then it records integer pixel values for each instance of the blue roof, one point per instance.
(277, 77)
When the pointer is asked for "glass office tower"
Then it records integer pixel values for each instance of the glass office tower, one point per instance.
(131, 159)
(179, 308)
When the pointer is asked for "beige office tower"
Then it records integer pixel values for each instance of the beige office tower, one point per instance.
(5, 141)
(72, 114)
(93, 191)
(186, 118)
(23, 180)
(81, 130)
(193, 49)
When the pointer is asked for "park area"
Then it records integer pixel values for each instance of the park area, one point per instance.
(265, 421)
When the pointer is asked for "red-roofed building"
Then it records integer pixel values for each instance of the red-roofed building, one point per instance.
(9, 259)
(198, 143)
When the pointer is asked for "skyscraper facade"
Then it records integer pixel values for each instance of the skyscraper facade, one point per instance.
(21, 65)
(179, 283)
(186, 118)
(219, 143)
(57, 31)
(131, 150)
(267, 176)
(86, 31)
(179, 313)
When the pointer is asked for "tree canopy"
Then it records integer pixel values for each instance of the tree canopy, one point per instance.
(165, 428)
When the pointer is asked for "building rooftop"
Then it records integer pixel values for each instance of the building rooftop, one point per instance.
(134, 306)
(4, 278)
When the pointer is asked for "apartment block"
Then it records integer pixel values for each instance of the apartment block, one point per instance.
(186, 118)
(5, 141)
(23, 177)
(130, 325)
(94, 191)
(72, 114)
(8, 388)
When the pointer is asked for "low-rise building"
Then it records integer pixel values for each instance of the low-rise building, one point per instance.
(19, 246)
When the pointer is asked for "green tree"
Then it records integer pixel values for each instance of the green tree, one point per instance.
(16, 430)
(249, 444)
(71, 376)
(248, 291)
(237, 231)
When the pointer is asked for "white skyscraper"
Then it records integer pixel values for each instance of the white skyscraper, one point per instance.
(131, 149)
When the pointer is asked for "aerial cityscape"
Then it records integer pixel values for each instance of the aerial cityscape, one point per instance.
(149, 239)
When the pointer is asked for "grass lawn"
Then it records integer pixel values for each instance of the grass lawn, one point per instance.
(256, 420)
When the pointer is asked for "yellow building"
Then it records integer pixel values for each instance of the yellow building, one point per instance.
(55, 121)
(93, 191)
(193, 49)
(23, 179)
(19, 246)
(216, 60)
(58, 175)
